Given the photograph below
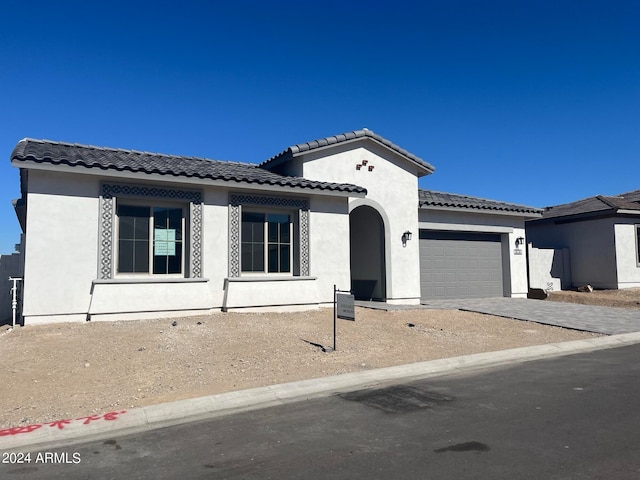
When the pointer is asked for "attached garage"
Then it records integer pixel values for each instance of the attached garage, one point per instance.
(460, 265)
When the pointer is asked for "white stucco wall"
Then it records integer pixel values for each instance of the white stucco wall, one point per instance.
(61, 245)
(328, 262)
(392, 188)
(329, 248)
(215, 242)
(627, 252)
(62, 257)
(591, 247)
(510, 227)
(549, 268)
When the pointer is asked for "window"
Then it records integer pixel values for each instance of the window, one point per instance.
(150, 239)
(638, 244)
(266, 244)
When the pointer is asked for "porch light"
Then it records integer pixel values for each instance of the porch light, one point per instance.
(519, 241)
(405, 237)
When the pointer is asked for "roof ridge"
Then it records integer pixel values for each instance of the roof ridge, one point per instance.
(605, 199)
(632, 192)
(571, 203)
(301, 148)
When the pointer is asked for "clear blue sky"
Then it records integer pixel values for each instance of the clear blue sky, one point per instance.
(533, 102)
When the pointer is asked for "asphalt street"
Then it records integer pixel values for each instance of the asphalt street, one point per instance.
(570, 417)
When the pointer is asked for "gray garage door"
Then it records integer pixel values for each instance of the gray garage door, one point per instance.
(460, 265)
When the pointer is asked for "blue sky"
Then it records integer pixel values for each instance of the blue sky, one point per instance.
(532, 102)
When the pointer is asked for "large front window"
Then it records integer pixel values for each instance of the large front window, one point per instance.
(150, 239)
(266, 244)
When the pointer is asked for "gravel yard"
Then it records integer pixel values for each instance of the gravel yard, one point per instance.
(70, 370)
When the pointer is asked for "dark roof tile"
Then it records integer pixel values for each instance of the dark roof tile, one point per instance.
(430, 198)
(87, 156)
(599, 203)
(300, 148)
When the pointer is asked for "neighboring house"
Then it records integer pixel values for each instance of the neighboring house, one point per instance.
(601, 235)
(117, 234)
(10, 267)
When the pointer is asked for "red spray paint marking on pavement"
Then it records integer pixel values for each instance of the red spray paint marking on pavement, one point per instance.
(60, 424)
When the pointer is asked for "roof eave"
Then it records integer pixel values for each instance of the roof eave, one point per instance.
(578, 217)
(486, 211)
(195, 181)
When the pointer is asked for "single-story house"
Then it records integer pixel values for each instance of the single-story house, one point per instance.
(117, 234)
(601, 235)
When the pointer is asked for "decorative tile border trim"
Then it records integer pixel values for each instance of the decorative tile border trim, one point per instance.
(235, 202)
(107, 220)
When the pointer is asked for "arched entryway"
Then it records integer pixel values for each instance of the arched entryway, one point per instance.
(366, 241)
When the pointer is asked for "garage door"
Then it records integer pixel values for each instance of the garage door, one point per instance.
(460, 265)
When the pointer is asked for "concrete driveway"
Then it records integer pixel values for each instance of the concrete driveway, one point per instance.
(607, 320)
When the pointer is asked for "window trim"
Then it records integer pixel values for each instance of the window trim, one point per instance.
(129, 192)
(300, 208)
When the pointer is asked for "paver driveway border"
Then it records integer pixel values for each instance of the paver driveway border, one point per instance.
(589, 318)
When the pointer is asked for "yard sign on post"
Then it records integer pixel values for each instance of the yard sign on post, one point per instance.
(343, 307)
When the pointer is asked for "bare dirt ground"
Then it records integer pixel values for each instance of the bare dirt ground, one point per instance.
(65, 371)
(625, 298)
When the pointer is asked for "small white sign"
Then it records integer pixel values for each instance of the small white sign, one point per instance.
(164, 242)
(517, 251)
(345, 307)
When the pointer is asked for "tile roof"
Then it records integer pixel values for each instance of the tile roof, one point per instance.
(430, 198)
(599, 203)
(86, 156)
(301, 148)
(633, 196)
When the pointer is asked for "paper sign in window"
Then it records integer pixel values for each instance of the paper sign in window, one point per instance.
(164, 240)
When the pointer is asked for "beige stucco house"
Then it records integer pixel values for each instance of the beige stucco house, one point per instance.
(121, 234)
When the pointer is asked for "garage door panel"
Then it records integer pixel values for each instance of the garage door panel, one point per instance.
(460, 265)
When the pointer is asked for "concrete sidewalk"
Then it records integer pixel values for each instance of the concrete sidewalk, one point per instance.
(113, 424)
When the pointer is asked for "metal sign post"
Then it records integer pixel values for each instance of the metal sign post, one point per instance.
(14, 297)
(343, 307)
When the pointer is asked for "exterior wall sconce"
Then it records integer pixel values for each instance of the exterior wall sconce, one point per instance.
(370, 168)
(358, 166)
(406, 236)
(364, 162)
(519, 241)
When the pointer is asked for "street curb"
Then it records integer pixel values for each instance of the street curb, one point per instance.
(183, 411)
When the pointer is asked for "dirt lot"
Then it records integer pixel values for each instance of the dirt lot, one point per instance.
(625, 298)
(65, 371)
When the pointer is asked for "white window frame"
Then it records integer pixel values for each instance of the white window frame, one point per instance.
(292, 229)
(151, 203)
(637, 245)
